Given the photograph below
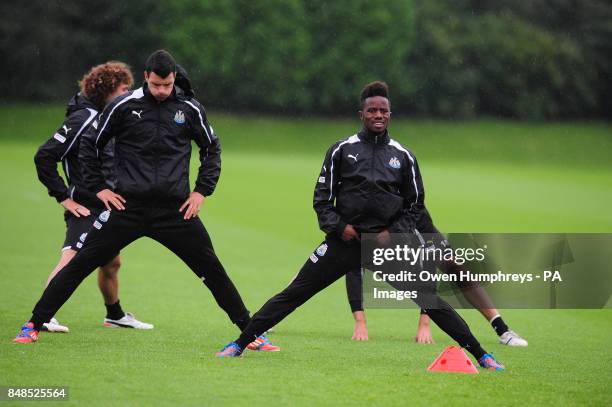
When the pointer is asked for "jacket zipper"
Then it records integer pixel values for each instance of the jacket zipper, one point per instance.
(373, 158)
(157, 145)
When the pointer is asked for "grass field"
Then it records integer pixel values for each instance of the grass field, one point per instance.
(479, 176)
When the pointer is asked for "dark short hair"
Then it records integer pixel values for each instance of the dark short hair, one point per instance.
(377, 88)
(161, 62)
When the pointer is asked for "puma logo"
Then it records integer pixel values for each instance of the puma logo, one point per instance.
(137, 113)
(354, 157)
(66, 129)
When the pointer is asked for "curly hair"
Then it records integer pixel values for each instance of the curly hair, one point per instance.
(102, 80)
(377, 88)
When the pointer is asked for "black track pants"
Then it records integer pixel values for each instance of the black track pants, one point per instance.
(330, 261)
(188, 239)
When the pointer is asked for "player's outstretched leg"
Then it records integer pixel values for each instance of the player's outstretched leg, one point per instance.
(333, 259)
(479, 299)
(189, 240)
(57, 293)
(454, 326)
(103, 243)
(53, 324)
(508, 337)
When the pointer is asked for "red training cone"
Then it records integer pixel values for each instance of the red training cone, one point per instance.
(453, 359)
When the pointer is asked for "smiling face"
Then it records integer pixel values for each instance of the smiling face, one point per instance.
(375, 114)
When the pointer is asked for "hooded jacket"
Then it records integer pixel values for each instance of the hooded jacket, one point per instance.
(63, 147)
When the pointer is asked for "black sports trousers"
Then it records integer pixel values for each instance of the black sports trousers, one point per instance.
(333, 259)
(114, 230)
(472, 291)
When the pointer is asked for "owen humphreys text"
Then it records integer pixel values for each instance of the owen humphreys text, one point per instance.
(421, 258)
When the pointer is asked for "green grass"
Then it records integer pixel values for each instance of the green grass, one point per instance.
(575, 144)
(519, 177)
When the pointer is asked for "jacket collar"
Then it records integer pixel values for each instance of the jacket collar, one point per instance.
(369, 137)
(175, 92)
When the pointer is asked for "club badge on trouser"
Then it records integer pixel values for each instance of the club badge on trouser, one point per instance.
(320, 251)
(104, 216)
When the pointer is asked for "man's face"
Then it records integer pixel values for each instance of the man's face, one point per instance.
(121, 89)
(376, 114)
(159, 87)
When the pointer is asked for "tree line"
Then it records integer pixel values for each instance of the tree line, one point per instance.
(541, 59)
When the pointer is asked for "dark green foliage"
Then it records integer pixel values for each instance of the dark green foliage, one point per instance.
(495, 63)
(531, 60)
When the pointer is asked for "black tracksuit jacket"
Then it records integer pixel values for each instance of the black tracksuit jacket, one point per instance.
(152, 147)
(63, 147)
(371, 182)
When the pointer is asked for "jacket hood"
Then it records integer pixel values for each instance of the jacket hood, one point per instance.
(183, 82)
(78, 102)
